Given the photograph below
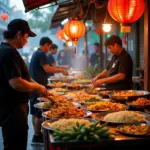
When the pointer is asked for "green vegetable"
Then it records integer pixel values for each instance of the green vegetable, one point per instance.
(96, 137)
(82, 132)
(85, 137)
(79, 137)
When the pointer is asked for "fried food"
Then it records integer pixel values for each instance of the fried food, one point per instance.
(106, 106)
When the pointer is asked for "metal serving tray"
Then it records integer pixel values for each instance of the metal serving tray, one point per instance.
(126, 98)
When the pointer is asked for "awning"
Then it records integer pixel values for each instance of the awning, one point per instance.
(63, 11)
(35, 4)
(32, 4)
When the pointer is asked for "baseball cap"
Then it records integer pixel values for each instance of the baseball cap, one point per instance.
(20, 25)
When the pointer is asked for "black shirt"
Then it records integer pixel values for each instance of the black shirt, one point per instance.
(121, 63)
(96, 59)
(38, 60)
(51, 61)
(11, 66)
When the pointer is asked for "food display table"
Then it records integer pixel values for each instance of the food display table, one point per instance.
(120, 141)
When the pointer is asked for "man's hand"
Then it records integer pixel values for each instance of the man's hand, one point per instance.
(94, 79)
(98, 83)
(65, 66)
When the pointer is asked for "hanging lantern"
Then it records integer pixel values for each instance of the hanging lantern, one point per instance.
(74, 29)
(126, 12)
(62, 36)
(4, 16)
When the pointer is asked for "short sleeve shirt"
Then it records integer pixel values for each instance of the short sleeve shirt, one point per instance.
(11, 66)
(51, 61)
(121, 63)
(96, 59)
(37, 72)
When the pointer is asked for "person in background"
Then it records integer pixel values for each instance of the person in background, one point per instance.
(118, 74)
(60, 57)
(15, 86)
(65, 56)
(39, 69)
(51, 59)
(97, 57)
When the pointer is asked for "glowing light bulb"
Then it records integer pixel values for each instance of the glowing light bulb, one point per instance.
(69, 43)
(74, 29)
(106, 27)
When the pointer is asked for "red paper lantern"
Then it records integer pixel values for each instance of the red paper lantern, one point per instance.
(74, 29)
(62, 36)
(126, 12)
(4, 16)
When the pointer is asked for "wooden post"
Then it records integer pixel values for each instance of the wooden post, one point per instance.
(86, 45)
(101, 49)
(147, 46)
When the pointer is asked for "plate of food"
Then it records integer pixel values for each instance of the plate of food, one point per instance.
(61, 90)
(61, 78)
(140, 129)
(90, 100)
(44, 105)
(45, 99)
(139, 103)
(73, 86)
(83, 81)
(104, 94)
(65, 124)
(105, 106)
(81, 96)
(57, 84)
(93, 90)
(76, 113)
(123, 117)
(125, 95)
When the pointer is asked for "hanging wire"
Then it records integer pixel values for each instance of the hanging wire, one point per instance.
(105, 17)
(81, 8)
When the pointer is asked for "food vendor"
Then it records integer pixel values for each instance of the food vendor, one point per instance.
(118, 74)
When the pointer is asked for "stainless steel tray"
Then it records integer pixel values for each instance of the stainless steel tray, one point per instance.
(86, 114)
(56, 119)
(126, 98)
(60, 79)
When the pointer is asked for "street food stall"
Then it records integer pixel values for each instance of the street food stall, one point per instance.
(78, 116)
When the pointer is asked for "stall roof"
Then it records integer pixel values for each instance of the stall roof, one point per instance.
(62, 12)
(32, 4)
(35, 4)
(65, 9)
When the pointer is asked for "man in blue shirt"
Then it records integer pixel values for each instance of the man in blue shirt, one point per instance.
(39, 70)
(51, 59)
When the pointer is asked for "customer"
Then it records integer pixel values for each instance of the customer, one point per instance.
(15, 86)
(118, 74)
(39, 70)
(51, 59)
